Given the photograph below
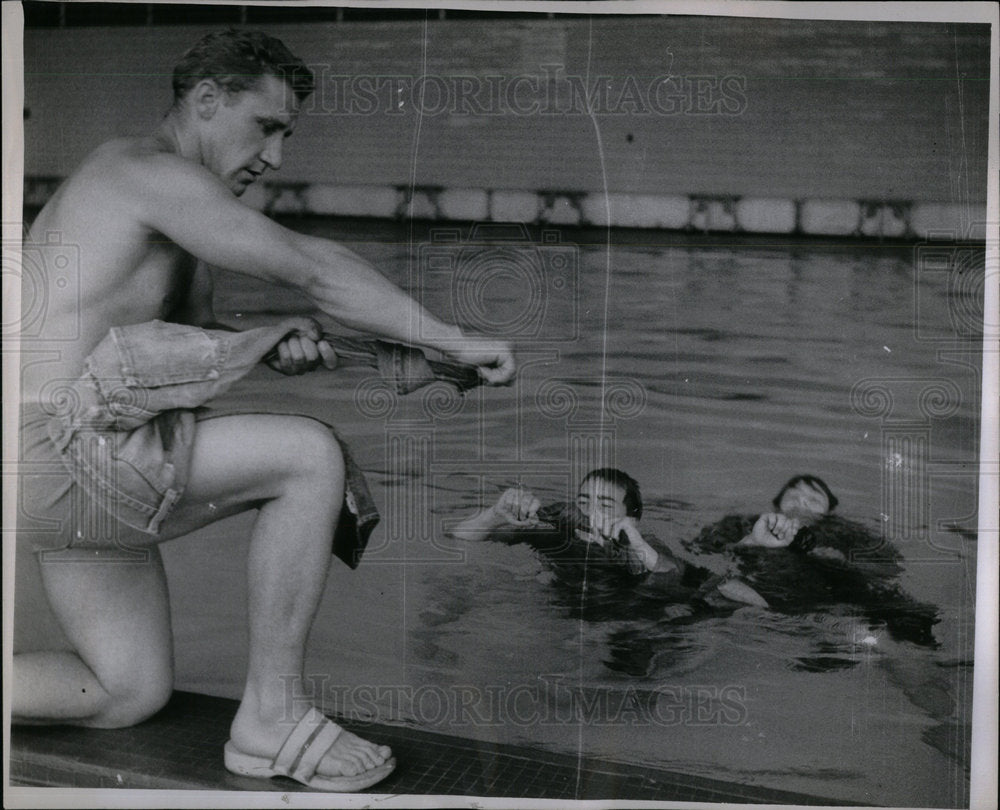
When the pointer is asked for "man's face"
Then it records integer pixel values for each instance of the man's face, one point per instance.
(602, 502)
(246, 132)
(803, 501)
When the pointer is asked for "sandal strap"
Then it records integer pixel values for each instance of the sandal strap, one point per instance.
(301, 741)
(315, 751)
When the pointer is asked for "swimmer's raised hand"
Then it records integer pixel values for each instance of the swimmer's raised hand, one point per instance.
(493, 358)
(625, 533)
(302, 351)
(517, 507)
(772, 530)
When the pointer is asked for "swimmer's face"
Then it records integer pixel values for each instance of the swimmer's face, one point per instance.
(602, 502)
(246, 131)
(803, 501)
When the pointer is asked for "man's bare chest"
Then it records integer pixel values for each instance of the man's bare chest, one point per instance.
(161, 278)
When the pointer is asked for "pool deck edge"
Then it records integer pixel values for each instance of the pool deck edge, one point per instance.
(180, 749)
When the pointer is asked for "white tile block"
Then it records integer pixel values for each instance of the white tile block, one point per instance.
(830, 217)
(514, 206)
(594, 210)
(646, 210)
(945, 220)
(978, 227)
(359, 201)
(464, 203)
(765, 215)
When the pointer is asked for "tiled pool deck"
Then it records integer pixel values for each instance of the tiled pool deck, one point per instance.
(181, 749)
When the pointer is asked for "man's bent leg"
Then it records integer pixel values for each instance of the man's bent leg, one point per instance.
(116, 616)
(293, 469)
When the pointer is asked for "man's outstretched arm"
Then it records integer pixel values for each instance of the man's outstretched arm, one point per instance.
(196, 211)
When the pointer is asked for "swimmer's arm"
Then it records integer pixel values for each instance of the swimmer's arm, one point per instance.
(480, 526)
(649, 556)
(196, 211)
(637, 546)
(515, 507)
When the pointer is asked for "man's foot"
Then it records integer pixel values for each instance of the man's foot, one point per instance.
(316, 752)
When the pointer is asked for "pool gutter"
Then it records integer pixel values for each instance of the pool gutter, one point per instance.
(861, 218)
(180, 749)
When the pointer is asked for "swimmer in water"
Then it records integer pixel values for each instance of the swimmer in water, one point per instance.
(802, 557)
(802, 501)
(601, 527)
(606, 515)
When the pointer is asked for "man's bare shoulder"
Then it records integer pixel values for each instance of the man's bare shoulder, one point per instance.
(130, 163)
(125, 184)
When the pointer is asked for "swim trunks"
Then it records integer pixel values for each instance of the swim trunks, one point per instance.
(54, 513)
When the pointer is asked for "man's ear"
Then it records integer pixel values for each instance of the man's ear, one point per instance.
(206, 97)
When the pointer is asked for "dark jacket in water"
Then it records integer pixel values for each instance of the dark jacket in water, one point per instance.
(611, 582)
(802, 579)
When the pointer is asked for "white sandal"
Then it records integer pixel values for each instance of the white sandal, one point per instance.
(300, 755)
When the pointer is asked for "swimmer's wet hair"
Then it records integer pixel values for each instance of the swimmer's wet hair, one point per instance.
(237, 60)
(632, 499)
(810, 481)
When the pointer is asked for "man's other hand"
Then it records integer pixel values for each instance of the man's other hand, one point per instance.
(303, 351)
(493, 358)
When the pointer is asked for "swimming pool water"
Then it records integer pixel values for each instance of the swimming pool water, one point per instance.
(712, 370)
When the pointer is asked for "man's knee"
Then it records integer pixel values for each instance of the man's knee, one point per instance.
(128, 705)
(314, 452)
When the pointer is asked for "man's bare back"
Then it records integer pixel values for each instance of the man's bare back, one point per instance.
(127, 272)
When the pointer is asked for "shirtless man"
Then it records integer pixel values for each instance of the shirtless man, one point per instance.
(148, 215)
